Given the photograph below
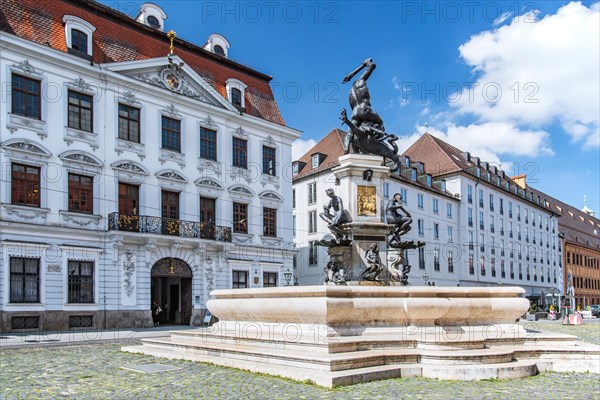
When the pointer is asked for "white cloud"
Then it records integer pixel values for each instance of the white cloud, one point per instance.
(489, 141)
(502, 18)
(547, 70)
(300, 147)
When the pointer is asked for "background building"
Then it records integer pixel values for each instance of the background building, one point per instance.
(137, 167)
(579, 232)
(479, 225)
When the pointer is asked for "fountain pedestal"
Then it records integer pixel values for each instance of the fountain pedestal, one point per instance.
(341, 335)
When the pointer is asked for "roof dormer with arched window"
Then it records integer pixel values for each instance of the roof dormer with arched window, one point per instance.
(78, 33)
(152, 15)
(236, 92)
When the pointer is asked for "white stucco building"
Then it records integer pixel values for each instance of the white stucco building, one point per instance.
(132, 171)
(481, 227)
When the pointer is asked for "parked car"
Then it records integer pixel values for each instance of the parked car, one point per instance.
(595, 310)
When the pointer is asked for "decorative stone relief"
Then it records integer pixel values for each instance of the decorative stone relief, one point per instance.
(129, 97)
(80, 84)
(25, 147)
(208, 122)
(241, 133)
(80, 220)
(169, 155)
(209, 280)
(172, 78)
(16, 122)
(129, 277)
(126, 145)
(128, 166)
(25, 214)
(27, 68)
(172, 111)
(76, 135)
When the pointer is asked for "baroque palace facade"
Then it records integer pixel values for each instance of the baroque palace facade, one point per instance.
(136, 168)
(479, 225)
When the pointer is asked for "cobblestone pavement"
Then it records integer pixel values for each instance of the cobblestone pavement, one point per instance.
(93, 371)
(589, 331)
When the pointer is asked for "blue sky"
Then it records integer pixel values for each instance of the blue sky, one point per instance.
(516, 83)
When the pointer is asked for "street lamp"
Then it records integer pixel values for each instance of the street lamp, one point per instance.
(288, 276)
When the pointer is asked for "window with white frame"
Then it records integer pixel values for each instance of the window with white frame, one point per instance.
(312, 193)
(312, 222)
(236, 92)
(78, 33)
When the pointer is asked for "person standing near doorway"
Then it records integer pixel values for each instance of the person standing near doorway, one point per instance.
(156, 310)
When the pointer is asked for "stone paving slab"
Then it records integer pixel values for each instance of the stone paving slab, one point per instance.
(149, 368)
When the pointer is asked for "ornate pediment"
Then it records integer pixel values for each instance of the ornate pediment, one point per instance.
(26, 147)
(81, 157)
(80, 84)
(210, 183)
(130, 166)
(271, 196)
(27, 68)
(172, 175)
(241, 190)
(174, 75)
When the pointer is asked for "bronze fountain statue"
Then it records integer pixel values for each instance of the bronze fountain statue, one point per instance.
(366, 130)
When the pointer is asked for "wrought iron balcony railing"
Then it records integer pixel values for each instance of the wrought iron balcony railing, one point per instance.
(166, 226)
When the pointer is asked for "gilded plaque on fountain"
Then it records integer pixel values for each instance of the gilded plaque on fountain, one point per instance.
(367, 200)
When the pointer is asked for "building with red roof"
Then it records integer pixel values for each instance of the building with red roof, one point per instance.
(141, 171)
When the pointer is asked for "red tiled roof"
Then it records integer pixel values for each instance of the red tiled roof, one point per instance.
(332, 146)
(576, 226)
(119, 37)
(438, 156)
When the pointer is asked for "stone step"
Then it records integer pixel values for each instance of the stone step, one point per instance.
(461, 357)
(512, 370)
(305, 358)
(337, 344)
(334, 361)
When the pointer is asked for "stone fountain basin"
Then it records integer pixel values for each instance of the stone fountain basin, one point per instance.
(376, 306)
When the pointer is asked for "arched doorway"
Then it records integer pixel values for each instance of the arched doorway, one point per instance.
(171, 288)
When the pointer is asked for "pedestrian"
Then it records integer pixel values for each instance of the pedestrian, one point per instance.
(156, 310)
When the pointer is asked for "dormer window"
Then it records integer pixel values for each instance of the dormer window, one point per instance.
(153, 21)
(219, 50)
(235, 91)
(414, 174)
(152, 15)
(315, 161)
(217, 44)
(78, 41)
(78, 33)
(429, 180)
(295, 169)
(236, 97)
